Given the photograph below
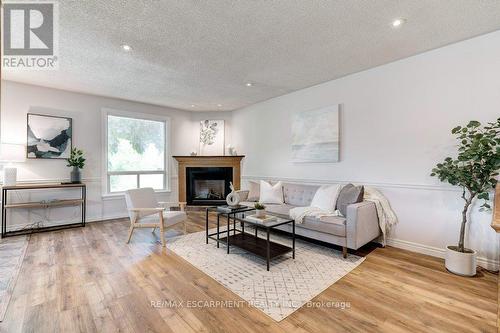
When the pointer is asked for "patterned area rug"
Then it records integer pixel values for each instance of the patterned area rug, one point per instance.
(288, 285)
(12, 251)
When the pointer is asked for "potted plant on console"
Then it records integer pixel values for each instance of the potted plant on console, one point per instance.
(260, 210)
(474, 170)
(77, 161)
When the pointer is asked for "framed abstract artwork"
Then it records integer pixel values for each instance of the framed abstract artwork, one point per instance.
(49, 137)
(315, 135)
(212, 137)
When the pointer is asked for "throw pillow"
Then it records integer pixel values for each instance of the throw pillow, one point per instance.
(349, 195)
(326, 197)
(271, 194)
(343, 190)
(254, 191)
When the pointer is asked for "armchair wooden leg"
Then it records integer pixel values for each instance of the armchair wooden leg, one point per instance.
(131, 230)
(162, 230)
(344, 251)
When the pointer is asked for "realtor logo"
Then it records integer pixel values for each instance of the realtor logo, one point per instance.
(30, 35)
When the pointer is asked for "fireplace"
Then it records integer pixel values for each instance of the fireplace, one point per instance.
(207, 185)
(206, 169)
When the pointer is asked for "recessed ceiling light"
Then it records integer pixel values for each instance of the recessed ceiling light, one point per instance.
(249, 84)
(192, 105)
(219, 105)
(398, 22)
(126, 47)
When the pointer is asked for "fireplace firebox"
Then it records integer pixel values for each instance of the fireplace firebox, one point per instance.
(208, 186)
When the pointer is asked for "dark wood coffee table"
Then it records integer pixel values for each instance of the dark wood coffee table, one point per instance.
(251, 242)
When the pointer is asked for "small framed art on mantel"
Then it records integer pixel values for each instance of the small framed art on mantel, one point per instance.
(211, 138)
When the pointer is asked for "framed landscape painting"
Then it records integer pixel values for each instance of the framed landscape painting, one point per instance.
(49, 137)
(212, 137)
(315, 135)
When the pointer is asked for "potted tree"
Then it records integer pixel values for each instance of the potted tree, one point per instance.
(77, 161)
(474, 169)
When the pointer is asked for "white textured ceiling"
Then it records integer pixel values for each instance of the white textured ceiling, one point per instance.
(203, 52)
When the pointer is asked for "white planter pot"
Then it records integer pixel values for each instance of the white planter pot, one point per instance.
(260, 213)
(461, 263)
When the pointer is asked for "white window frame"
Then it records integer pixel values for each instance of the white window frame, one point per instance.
(105, 112)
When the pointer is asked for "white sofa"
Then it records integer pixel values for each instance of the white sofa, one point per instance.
(357, 228)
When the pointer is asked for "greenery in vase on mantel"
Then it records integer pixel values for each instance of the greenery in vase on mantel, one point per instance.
(77, 161)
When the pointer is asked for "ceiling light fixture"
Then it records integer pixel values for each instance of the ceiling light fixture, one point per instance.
(249, 84)
(126, 47)
(219, 105)
(398, 22)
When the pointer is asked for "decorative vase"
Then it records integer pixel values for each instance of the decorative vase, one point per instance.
(260, 213)
(233, 198)
(460, 263)
(76, 175)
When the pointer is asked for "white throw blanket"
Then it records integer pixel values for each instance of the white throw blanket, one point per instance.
(386, 216)
(299, 213)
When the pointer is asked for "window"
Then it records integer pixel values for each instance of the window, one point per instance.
(136, 151)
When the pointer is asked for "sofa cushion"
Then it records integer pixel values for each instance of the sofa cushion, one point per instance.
(282, 209)
(349, 195)
(170, 218)
(299, 194)
(247, 203)
(334, 225)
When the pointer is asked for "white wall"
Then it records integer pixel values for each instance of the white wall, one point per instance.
(395, 127)
(19, 99)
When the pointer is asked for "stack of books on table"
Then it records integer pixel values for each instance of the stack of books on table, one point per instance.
(230, 209)
(267, 218)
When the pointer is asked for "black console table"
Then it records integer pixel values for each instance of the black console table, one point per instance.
(42, 204)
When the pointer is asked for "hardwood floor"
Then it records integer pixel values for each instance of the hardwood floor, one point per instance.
(89, 280)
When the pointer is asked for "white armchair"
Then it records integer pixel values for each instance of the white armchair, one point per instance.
(146, 212)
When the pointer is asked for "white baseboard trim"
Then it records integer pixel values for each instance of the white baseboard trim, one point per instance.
(106, 218)
(489, 264)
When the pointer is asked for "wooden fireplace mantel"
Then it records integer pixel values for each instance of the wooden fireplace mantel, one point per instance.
(207, 161)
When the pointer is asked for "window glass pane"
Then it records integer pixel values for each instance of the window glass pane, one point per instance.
(154, 181)
(135, 144)
(119, 183)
